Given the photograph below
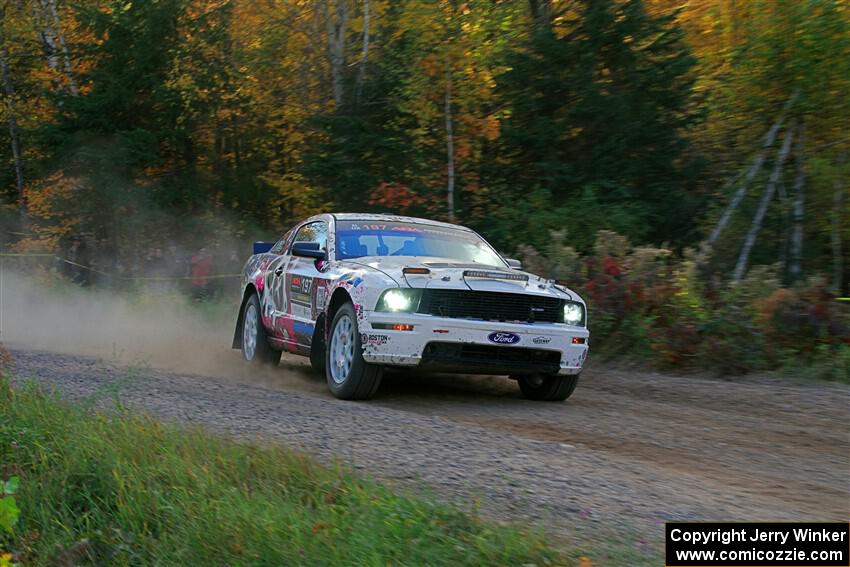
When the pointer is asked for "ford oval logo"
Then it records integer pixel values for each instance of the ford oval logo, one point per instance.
(503, 338)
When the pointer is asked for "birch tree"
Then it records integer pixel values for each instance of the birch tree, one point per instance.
(753, 170)
(12, 120)
(49, 24)
(541, 14)
(336, 21)
(450, 147)
(767, 197)
(798, 208)
(364, 53)
(838, 196)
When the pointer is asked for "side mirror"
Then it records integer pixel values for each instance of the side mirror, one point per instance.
(262, 247)
(308, 250)
(514, 263)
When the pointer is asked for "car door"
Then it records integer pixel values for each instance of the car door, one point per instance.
(275, 300)
(302, 280)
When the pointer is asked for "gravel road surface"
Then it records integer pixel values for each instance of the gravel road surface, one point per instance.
(628, 452)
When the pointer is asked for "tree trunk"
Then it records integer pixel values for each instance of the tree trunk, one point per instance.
(364, 55)
(450, 146)
(767, 196)
(55, 48)
(835, 239)
(12, 120)
(541, 14)
(784, 239)
(769, 139)
(336, 26)
(798, 210)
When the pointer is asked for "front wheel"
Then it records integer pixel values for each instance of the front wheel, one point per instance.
(349, 376)
(547, 388)
(255, 344)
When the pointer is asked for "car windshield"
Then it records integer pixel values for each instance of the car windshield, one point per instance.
(358, 238)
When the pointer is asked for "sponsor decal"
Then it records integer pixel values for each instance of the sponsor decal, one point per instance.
(304, 331)
(541, 340)
(503, 338)
(300, 311)
(321, 297)
(299, 288)
(373, 340)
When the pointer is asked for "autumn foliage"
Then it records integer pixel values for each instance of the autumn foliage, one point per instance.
(650, 304)
(135, 126)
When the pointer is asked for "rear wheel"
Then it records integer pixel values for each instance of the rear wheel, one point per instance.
(547, 387)
(349, 376)
(255, 344)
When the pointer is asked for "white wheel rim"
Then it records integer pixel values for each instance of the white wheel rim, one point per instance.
(342, 349)
(249, 332)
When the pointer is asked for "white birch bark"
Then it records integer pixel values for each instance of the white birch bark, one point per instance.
(767, 197)
(757, 164)
(835, 237)
(364, 54)
(14, 135)
(56, 49)
(798, 209)
(450, 146)
(541, 14)
(337, 24)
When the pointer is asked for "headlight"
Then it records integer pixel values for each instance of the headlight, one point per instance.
(573, 313)
(399, 300)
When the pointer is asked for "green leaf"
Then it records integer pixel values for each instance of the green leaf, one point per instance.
(8, 513)
(11, 486)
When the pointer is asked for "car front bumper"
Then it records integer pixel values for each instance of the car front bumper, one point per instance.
(462, 345)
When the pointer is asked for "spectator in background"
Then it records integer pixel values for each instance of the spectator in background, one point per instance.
(78, 265)
(232, 266)
(157, 270)
(201, 267)
(176, 262)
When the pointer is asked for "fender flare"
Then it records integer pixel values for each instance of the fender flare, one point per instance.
(237, 333)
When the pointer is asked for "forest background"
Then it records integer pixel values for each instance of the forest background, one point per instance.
(682, 163)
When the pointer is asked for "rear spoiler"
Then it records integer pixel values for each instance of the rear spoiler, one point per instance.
(262, 247)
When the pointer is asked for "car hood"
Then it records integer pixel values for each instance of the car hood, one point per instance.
(448, 274)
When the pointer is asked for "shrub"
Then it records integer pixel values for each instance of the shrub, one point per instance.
(647, 303)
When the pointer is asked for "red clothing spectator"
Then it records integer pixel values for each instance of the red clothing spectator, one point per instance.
(201, 267)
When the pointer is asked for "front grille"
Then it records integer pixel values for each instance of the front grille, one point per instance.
(486, 359)
(490, 305)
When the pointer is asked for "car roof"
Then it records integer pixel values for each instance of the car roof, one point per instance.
(394, 218)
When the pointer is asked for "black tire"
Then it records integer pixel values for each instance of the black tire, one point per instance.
(547, 388)
(262, 353)
(352, 378)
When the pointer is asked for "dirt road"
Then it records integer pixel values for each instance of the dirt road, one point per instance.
(628, 452)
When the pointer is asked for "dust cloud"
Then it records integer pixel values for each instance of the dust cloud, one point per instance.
(168, 331)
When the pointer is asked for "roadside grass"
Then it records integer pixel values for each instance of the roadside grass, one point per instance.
(117, 488)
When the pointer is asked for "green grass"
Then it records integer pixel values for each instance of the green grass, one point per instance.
(113, 488)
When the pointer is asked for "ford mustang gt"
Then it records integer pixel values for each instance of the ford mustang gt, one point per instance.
(358, 293)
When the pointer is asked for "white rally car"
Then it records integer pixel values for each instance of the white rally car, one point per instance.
(360, 292)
